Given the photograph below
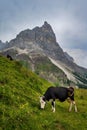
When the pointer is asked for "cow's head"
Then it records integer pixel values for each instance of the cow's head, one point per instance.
(42, 102)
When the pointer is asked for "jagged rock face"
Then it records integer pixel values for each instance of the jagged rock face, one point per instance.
(43, 36)
(69, 57)
(41, 40)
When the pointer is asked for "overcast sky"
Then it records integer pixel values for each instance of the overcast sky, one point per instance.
(68, 19)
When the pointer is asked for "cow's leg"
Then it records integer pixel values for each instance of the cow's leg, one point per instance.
(75, 107)
(70, 108)
(71, 104)
(53, 105)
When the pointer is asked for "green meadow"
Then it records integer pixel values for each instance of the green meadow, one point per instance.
(19, 102)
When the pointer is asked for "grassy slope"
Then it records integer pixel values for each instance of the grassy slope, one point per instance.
(19, 102)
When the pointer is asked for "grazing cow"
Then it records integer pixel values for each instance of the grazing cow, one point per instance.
(9, 57)
(60, 93)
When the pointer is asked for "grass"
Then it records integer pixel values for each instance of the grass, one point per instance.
(19, 102)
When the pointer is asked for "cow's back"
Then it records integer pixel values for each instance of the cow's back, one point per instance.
(56, 93)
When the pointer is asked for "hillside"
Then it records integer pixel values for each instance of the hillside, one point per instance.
(19, 102)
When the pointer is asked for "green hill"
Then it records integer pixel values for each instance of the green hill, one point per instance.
(19, 102)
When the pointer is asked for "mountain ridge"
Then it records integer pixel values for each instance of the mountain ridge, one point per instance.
(42, 40)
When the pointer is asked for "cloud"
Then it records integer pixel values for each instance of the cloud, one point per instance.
(70, 31)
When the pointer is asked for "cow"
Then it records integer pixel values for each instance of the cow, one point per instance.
(60, 93)
(9, 57)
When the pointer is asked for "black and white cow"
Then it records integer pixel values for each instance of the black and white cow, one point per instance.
(60, 93)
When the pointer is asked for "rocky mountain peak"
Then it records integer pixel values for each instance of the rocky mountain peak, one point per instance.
(37, 34)
(39, 37)
(47, 27)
